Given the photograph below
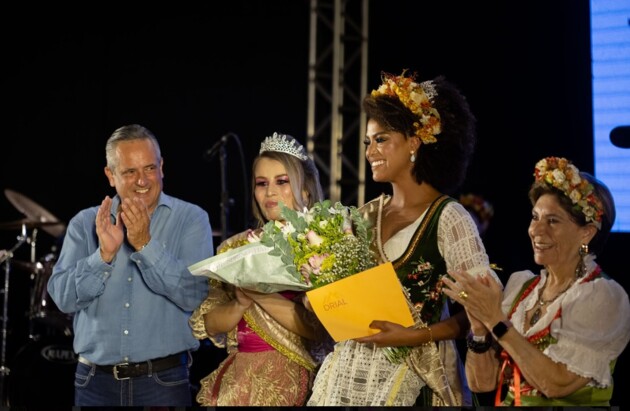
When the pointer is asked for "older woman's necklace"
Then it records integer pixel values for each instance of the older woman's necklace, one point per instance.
(541, 303)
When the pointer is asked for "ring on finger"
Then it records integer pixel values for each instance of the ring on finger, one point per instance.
(463, 294)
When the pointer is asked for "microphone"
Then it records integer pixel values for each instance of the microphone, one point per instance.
(620, 136)
(212, 151)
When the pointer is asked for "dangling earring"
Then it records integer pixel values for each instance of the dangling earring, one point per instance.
(581, 268)
(413, 156)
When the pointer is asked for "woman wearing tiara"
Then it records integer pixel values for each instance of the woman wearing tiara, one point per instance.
(553, 338)
(420, 137)
(269, 337)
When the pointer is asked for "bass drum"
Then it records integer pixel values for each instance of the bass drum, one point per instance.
(42, 374)
(43, 310)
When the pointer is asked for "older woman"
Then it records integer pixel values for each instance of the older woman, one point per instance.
(552, 338)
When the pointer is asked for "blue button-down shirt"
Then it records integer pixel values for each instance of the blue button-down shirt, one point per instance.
(136, 308)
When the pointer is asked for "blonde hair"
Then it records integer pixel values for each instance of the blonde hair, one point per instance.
(303, 177)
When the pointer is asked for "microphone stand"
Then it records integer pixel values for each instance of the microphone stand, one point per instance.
(225, 197)
(226, 201)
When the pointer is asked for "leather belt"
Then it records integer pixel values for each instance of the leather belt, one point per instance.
(124, 371)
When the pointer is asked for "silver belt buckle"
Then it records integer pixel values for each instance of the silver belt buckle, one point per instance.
(116, 371)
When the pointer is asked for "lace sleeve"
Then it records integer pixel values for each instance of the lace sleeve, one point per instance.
(459, 241)
(216, 295)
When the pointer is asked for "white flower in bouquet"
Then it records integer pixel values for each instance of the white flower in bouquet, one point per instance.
(322, 244)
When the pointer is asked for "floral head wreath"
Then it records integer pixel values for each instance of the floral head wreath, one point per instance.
(279, 143)
(417, 97)
(558, 172)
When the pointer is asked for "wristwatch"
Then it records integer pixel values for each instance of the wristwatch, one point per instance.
(499, 330)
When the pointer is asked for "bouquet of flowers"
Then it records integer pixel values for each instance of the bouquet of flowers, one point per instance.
(320, 245)
(305, 250)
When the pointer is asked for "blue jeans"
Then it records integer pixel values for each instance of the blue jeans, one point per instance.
(94, 387)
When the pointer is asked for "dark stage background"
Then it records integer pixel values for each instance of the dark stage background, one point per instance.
(191, 75)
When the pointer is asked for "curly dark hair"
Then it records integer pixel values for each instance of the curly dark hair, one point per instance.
(538, 189)
(442, 164)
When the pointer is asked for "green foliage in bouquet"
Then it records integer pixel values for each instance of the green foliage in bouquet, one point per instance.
(321, 245)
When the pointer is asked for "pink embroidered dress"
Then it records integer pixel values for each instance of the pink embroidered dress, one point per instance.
(267, 364)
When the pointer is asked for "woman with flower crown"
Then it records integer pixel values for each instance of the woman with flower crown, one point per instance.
(420, 138)
(553, 338)
(270, 337)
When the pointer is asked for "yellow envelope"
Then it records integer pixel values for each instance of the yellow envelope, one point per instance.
(348, 306)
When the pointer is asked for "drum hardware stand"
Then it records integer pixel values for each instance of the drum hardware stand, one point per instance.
(4, 370)
(32, 241)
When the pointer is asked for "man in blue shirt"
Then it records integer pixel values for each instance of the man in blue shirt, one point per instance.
(122, 271)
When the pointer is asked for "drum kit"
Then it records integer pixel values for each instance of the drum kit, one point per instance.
(45, 358)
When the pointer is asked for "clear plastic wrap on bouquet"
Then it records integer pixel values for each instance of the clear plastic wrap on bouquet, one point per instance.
(250, 266)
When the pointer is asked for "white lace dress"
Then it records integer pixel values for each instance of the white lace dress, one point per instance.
(357, 374)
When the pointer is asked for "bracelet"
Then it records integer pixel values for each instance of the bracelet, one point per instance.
(430, 335)
(478, 347)
(499, 330)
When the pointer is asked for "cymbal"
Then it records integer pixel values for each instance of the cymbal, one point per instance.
(17, 224)
(37, 216)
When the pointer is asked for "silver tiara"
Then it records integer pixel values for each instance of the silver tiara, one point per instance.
(279, 143)
(429, 89)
